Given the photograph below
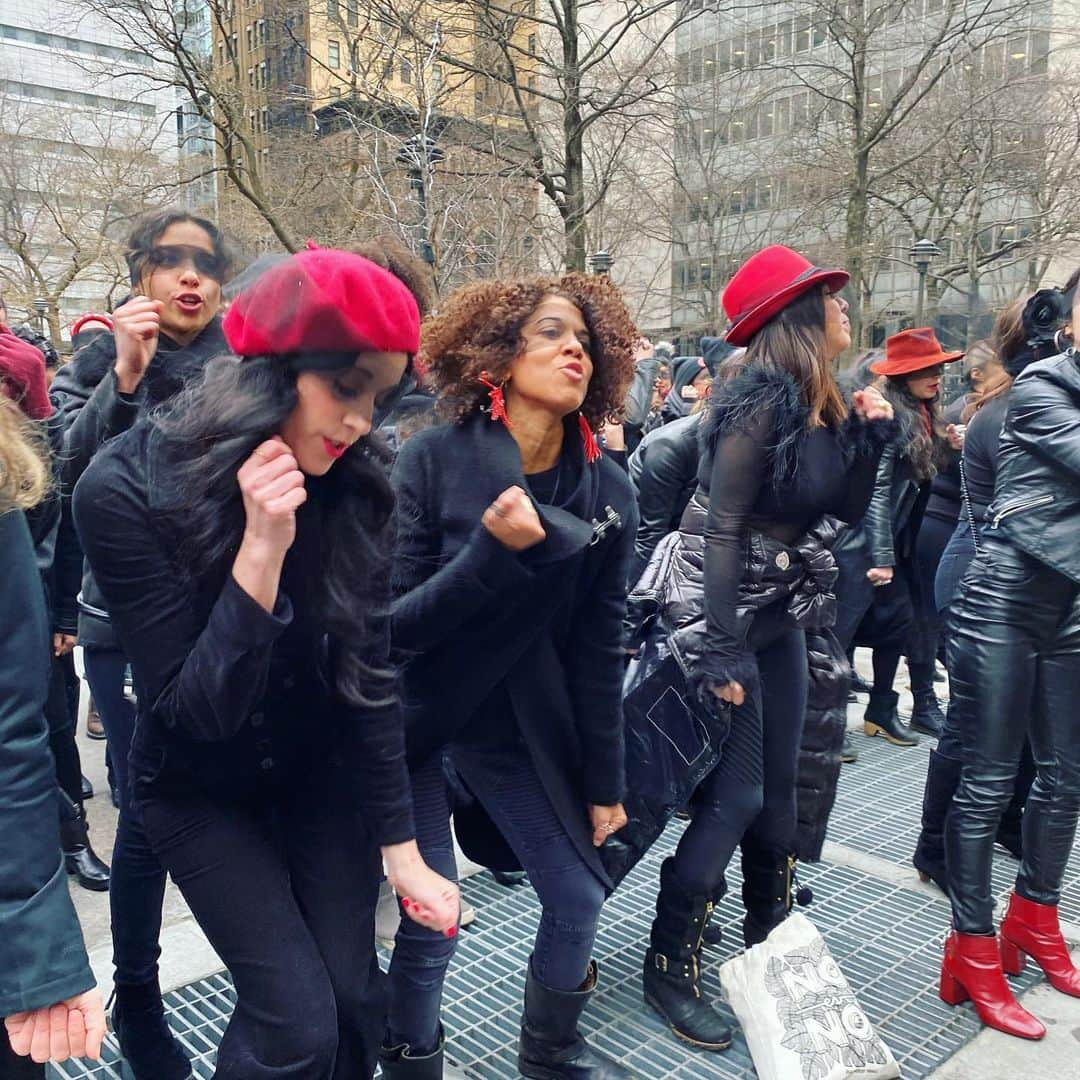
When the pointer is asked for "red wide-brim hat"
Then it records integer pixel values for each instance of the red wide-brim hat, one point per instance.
(766, 283)
(913, 350)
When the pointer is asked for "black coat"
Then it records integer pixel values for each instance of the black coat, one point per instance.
(42, 957)
(663, 470)
(544, 626)
(92, 410)
(233, 700)
(1037, 495)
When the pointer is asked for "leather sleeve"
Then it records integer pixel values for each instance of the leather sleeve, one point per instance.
(1044, 420)
(878, 520)
(664, 476)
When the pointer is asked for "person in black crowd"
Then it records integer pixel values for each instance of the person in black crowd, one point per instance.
(515, 537)
(690, 380)
(983, 416)
(877, 574)
(779, 451)
(161, 339)
(48, 1000)
(240, 539)
(1014, 661)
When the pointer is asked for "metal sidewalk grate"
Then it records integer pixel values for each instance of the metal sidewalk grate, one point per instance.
(887, 939)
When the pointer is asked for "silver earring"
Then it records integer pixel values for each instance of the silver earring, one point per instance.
(1057, 342)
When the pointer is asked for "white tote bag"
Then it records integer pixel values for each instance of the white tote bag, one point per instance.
(798, 1013)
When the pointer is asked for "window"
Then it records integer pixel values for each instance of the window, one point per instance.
(532, 44)
(261, 31)
(333, 54)
(388, 70)
(406, 71)
(250, 38)
(352, 13)
(802, 34)
(332, 11)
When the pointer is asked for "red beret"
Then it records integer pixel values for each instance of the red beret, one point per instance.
(322, 300)
(22, 375)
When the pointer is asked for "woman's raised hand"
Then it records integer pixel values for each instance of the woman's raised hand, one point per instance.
(870, 404)
(272, 486)
(136, 325)
(513, 521)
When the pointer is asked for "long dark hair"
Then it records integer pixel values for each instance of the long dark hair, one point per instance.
(925, 450)
(793, 340)
(211, 429)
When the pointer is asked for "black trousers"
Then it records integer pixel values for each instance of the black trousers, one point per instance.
(1014, 662)
(286, 894)
(61, 712)
(749, 798)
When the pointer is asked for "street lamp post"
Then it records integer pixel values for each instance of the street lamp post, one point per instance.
(923, 253)
(601, 262)
(418, 154)
(41, 309)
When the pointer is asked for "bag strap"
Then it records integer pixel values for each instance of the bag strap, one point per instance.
(965, 498)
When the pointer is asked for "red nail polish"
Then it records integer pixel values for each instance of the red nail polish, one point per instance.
(452, 932)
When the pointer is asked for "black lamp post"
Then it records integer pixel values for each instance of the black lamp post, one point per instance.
(418, 154)
(41, 309)
(923, 253)
(601, 262)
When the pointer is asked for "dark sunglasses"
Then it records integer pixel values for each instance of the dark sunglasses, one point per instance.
(171, 256)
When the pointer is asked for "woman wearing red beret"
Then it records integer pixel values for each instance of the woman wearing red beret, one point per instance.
(514, 541)
(240, 541)
(780, 453)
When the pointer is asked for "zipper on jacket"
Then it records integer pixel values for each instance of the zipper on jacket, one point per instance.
(1024, 504)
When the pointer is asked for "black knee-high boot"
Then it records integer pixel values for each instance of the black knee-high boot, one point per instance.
(926, 716)
(672, 972)
(942, 778)
(766, 891)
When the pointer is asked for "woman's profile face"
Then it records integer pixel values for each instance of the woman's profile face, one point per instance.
(925, 384)
(184, 271)
(334, 408)
(553, 367)
(837, 325)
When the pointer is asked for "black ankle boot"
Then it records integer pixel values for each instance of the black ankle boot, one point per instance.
(400, 1063)
(80, 859)
(927, 716)
(881, 719)
(146, 1043)
(942, 780)
(672, 974)
(551, 1047)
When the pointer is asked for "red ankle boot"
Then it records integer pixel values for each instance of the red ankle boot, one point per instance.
(1032, 929)
(971, 969)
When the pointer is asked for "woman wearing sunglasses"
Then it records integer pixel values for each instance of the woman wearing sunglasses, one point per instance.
(161, 340)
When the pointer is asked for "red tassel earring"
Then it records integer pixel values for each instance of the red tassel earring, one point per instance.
(498, 401)
(592, 447)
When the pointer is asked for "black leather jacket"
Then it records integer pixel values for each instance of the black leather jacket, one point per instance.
(663, 470)
(1037, 496)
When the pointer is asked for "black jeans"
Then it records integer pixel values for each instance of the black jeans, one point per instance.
(749, 798)
(1014, 658)
(286, 894)
(61, 711)
(571, 896)
(137, 884)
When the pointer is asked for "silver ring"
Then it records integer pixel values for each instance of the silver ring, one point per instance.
(608, 827)
(499, 511)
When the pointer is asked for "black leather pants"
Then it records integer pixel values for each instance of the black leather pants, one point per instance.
(1014, 659)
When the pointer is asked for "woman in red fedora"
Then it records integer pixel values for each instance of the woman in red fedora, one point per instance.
(1014, 664)
(240, 539)
(780, 452)
(878, 583)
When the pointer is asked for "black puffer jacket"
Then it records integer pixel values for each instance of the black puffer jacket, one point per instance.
(1037, 497)
(663, 470)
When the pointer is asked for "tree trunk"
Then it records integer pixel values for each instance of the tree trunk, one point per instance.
(573, 143)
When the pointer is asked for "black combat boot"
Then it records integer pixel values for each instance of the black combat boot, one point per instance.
(672, 973)
(550, 1046)
(80, 860)
(942, 780)
(881, 718)
(146, 1042)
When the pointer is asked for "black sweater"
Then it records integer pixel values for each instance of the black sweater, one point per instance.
(233, 699)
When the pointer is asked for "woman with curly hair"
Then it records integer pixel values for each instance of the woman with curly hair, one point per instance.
(515, 535)
(240, 539)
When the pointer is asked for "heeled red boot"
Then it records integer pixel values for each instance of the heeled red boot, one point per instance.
(971, 970)
(1033, 930)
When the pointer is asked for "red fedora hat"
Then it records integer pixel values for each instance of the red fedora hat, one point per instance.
(912, 350)
(766, 283)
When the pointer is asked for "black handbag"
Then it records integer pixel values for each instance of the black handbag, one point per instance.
(672, 743)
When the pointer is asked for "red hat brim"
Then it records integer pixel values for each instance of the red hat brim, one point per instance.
(914, 363)
(741, 331)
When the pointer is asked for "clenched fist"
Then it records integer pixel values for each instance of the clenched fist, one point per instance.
(513, 521)
(272, 486)
(136, 326)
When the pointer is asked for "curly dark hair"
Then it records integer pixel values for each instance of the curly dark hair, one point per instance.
(392, 255)
(478, 332)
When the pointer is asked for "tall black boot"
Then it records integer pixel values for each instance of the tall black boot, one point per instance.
(767, 891)
(551, 1047)
(942, 780)
(79, 858)
(146, 1042)
(711, 934)
(672, 973)
(882, 719)
(926, 716)
(400, 1063)
(1010, 834)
